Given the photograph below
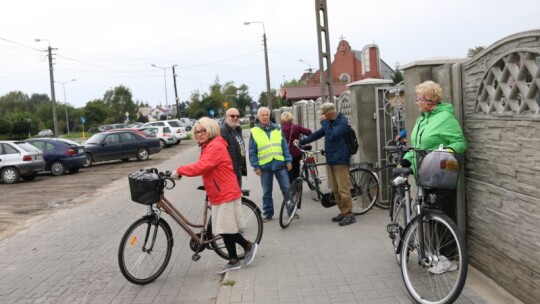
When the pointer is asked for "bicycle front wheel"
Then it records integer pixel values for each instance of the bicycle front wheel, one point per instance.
(290, 204)
(252, 232)
(398, 221)
(145, 250)
(441, 276)
(364, 190)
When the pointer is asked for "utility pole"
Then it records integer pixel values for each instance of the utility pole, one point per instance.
(53, 95)
(325, 59)
(175, 92)
(267, 72)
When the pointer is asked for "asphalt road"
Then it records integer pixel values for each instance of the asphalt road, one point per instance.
(22, 202)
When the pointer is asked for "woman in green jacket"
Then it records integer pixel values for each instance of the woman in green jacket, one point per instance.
(436, 125)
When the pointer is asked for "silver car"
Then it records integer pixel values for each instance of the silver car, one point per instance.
(19, 159)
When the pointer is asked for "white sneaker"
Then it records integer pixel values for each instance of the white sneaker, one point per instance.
(443, 265)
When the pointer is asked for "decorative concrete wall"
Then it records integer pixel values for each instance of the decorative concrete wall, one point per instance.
(496, 95)
(501, 109)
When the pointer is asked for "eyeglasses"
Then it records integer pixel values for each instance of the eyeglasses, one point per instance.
(200, 131)
(234, 116)
(423, 99)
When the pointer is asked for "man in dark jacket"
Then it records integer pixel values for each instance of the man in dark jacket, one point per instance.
(231, 131)
(334, 128)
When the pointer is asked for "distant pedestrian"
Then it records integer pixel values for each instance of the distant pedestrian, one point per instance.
(292, 132)
(334, 127)
(269, 156)
(231, 131)
(222, 189)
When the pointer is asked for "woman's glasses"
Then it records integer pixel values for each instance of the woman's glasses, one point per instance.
(423, 99)
(201, 131)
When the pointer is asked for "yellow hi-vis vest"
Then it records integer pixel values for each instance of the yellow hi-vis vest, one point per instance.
(268, 148)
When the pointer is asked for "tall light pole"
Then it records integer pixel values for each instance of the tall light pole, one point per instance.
(65, 100)
(53, 97)
(175, 92)
(265, 63)
(165, 81)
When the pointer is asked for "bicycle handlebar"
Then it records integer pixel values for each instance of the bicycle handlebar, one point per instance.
(308, 149)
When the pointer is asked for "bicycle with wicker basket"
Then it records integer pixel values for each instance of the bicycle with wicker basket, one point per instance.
(146, 247)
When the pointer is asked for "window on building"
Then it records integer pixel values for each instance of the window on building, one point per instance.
(366, 61)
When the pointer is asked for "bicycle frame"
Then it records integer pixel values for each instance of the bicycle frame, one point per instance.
(167, 206)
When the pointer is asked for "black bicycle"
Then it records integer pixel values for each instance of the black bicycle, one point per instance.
(429, 247)
(364, 188)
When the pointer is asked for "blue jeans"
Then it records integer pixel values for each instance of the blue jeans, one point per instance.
(267, 182)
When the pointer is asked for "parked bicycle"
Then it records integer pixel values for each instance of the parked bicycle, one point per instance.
(384, 173)
(429, 247)
(364, 188)
(146, 247)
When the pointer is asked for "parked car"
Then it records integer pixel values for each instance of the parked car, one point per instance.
(187, 123)
(176, 126)
(119, 145)
(104, 128)
(19, 159)
(129, 129)
(61, 155)
(164, 134)
(45, 133)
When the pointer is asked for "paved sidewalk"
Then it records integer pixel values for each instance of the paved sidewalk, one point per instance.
(316, 261)
(70, 256)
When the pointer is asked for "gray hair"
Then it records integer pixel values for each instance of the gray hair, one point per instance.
(262, 109)
(327, 107)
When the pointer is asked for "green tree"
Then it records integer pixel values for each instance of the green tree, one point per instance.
(15, 101)
(475, 50)
(119, 102)
(95, 112)
(398, 75)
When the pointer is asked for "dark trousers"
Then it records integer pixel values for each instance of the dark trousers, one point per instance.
(295, 171)
(445, 201)
(231, 240)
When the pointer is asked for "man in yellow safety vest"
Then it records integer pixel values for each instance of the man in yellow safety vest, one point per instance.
(269, 156)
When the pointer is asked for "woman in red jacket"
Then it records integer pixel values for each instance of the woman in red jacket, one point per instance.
(219, 179)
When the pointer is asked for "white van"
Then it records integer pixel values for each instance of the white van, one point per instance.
(188, 124)
(177, 129)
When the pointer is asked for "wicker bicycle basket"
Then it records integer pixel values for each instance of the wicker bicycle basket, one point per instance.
(145, 186)
(438, 169)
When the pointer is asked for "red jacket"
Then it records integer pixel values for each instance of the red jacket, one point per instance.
(215, 166)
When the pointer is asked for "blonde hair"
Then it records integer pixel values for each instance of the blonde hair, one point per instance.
(286, 117)
(430, 90)
(210, 125)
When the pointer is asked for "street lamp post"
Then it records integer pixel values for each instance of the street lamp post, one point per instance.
(265, 63)
(65, 100)
(165, 82)
(53, 96)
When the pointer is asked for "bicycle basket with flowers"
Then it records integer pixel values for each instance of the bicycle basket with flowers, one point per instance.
(145, 186)
(437, 169)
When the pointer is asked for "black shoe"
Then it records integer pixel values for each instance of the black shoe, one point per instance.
(338, 218)
(347, 220)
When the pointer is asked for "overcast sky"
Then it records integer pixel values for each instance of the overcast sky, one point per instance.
(106, 43)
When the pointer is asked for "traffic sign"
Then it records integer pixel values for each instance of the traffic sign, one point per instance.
(211, 112)
(83, 120)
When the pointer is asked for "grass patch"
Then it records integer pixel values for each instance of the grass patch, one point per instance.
(229, 283)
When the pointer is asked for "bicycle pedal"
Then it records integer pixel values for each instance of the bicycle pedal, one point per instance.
(392, 228)
(322, 178)
(195, 257)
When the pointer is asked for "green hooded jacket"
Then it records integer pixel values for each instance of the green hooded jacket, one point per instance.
(434, 128)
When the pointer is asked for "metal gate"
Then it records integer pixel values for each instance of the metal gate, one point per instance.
(390, 119)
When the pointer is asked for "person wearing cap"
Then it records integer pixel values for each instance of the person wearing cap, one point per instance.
(231, 131)
(269, 156)
(334, 127)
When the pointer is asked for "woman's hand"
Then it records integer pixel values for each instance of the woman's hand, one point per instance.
(174, 175)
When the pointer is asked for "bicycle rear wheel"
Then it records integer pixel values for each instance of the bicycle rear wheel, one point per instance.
(290, 204)
(364, 190)
(439, 279)
(253, 231)
(145, 250)
(385, 180)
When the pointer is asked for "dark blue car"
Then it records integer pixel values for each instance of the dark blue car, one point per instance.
(121, 144)
(61, 155)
